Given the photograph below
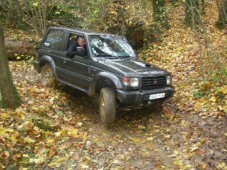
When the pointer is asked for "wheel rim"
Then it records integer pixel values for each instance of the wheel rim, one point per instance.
(102, 103)
(48, 77)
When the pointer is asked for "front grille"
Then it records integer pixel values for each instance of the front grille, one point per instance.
(153, 82)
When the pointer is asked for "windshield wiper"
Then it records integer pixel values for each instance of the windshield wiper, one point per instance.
(106, 56)
(126, 56)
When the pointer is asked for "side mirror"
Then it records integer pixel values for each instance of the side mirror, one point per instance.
(80, 51)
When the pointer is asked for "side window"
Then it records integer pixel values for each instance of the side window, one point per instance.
(54, 39)
(76, 39)
(72, 40)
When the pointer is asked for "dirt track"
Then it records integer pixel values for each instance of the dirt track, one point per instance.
(139, 139)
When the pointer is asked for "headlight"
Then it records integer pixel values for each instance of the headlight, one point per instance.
(133, 82)
(168, 80)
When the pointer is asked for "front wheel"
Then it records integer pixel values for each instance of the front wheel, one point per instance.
(107, 105)
(47, 76)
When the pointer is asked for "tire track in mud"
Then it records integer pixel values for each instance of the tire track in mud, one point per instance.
(128, 143)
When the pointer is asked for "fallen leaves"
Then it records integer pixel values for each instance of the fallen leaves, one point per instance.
(50, 131)
(179, 54)
(34, 132)
(59, 134)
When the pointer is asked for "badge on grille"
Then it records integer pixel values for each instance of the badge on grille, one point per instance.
(155, 81)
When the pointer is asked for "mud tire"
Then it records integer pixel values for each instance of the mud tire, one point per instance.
(47, 76)
(107, 106)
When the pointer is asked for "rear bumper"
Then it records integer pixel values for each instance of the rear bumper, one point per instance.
(138, 97)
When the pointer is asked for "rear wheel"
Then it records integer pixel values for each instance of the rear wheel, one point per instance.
(47, 76)
(107, 105)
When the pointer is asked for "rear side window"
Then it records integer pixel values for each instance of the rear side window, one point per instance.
(54, 39)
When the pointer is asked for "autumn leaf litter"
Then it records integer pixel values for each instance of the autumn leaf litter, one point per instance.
(60, 128)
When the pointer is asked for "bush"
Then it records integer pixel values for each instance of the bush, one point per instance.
(130, 19)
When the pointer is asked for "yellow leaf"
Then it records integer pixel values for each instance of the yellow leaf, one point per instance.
(5, 116)
(188, 166)
(80, 124)
(57, 161)
(50, 141)
(73, 132)
(57, 12)
(25, 155)
(9, 130)
(84, 166)
(221, 165)
(223, 89)
(204, 166)
(175, 152)
(183, 123)
(113, 13)
(57, 134)
(136, 140)
(28, 140)
(84, 136)
(212, 99)
(150, 139)
(39, 160)
(36, 4)
(197, 105)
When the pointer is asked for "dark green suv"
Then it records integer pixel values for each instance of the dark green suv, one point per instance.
(106, 67)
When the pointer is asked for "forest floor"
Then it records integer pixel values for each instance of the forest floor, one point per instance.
(60, 128)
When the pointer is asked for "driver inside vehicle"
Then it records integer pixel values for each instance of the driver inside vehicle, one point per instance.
(75, 44)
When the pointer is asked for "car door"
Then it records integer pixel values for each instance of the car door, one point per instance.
(77, 69)
(54, 46)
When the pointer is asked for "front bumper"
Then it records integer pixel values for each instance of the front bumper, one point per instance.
(130, 98)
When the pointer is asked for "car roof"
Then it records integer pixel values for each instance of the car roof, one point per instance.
(82, 31)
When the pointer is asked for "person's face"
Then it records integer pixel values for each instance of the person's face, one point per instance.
(81, 42)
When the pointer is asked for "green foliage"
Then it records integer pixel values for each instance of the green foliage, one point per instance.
(128, 18)
(160, 19)
(175, 2)
(222, 20)
(192, 11)
(198, 94)
(2, 17)
(213, 84)
(159, 12)
(64, 14)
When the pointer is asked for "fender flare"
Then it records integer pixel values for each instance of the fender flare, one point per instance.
(47, 59)
(104, 75)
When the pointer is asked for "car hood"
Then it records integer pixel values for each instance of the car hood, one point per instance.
(133, 67)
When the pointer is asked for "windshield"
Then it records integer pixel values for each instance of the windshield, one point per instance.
(110, 46)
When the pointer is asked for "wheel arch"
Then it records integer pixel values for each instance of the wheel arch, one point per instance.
(48, 60)
(104, 79)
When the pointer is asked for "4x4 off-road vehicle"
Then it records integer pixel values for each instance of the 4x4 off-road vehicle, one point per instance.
(106, 67)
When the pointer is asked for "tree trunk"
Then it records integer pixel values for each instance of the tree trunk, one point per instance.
(10, 97)
(222, 20)
(192, 12)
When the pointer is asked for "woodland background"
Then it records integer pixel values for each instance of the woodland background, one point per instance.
(54, 128)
